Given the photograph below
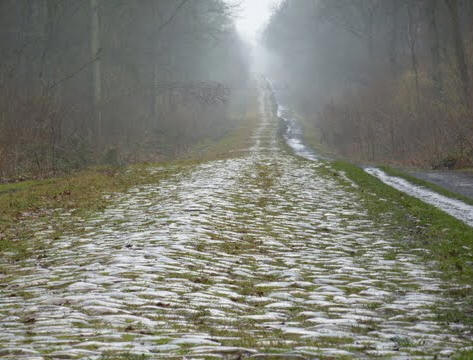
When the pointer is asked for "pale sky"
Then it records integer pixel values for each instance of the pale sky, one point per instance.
(253, 16)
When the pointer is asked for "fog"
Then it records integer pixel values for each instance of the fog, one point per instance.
(252, 16)
(372, 80)
(93, 81)
(379, 81)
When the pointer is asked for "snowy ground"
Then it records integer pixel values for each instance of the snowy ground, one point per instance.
(263, 254)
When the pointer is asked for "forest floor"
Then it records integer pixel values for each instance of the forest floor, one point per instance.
(256, 254)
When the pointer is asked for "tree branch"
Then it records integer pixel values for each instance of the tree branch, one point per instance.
(74, 73)
(173, 15)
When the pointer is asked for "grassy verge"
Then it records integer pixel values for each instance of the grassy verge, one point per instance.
(420, 225)
(438, 189)
(13, 187)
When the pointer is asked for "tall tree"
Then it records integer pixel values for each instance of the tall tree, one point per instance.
(460, 51)
(393, 45)
(412, 32)
(96, 68)
(432, 9)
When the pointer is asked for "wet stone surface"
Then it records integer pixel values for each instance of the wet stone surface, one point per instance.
(232, 259)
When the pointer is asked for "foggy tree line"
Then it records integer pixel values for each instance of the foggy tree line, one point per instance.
(89, 81)
(381, 79)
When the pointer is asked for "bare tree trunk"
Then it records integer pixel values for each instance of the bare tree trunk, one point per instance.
(394, 38)
(96, 70)
(412, 38)
(460, 51)
(154, 86)
(45, 73)
(370, 37)
(154, 92)
(163, 24)
(432, 6)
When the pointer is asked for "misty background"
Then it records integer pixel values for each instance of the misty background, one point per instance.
(108, 81)
(116, 81)
(379, 80)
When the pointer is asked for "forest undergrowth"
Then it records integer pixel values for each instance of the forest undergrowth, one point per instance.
(90, 190)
